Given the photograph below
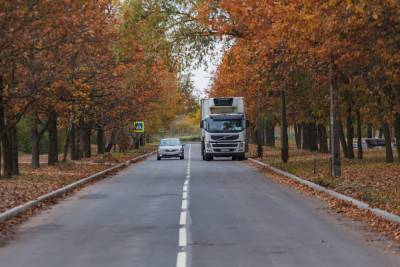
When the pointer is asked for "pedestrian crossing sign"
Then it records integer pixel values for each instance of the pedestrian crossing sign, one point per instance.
(138, 127)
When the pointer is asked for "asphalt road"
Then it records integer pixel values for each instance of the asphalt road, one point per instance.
(189, 213)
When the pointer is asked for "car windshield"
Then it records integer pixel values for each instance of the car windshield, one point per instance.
(224, 126)
(170, 143)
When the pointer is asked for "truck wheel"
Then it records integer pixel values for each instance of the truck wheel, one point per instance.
(209, 157)
(158, 158)
(242, 157)
(182, 157)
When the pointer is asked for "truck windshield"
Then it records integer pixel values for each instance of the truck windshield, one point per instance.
(224, 126)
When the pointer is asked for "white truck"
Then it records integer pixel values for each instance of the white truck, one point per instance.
(223, 123)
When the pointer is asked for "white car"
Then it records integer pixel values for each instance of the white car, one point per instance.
(170, 148)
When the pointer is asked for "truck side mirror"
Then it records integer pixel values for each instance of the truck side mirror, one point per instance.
(248, 124)
(201, 124)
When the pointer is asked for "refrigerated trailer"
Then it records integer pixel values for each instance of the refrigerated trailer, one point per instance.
(223, 128)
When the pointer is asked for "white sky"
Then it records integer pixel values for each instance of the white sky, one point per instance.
(202, 79)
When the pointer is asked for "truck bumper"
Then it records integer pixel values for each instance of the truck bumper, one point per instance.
(227, 154)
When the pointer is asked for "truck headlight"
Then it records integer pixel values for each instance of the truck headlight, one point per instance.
(208, 147)
(241, 146)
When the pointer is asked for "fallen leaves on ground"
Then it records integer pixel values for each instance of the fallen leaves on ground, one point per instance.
(370, 180)
(33, 183)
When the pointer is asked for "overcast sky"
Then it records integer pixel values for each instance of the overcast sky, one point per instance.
(202, 79)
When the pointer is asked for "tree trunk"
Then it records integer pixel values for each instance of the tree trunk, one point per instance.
(284, 132)
(7, 156)
(380, 132)
(313, 135)
(79, 139)
(359, 136)
(259, 136)
(305, 136)
(343, 140)
(141, 140)
(1, 123)
(53, 138)
(335, 125)
(74, 149)
(323, 139)
(388, 142)
(137, 143)
(397, 134)
(111, 142)
(100, 140)
(297, 135)
(86, 144)
(14, 149)
(35, 139)
(67, 143)
(350, 134)
(369, 131)
(270, 132)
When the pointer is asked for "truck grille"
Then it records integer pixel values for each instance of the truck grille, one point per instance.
(224, 145)
(225, 137)
(224, 150)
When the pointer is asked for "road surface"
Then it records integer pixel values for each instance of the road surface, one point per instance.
(189, 213)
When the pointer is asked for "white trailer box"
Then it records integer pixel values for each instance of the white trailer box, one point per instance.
(226, 105)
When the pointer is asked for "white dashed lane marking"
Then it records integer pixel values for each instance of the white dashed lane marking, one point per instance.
(182, 256)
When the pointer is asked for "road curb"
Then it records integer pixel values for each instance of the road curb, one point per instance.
(359, 204)
(23, 207)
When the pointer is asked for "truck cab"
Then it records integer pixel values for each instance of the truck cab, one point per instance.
(223, 125)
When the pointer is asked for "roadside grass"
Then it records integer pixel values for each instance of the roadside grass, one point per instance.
(371, 179)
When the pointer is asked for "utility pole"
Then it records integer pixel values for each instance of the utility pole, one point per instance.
(335, 146)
